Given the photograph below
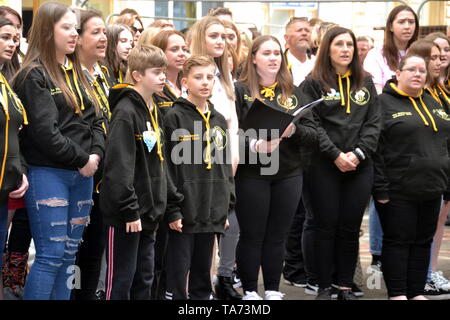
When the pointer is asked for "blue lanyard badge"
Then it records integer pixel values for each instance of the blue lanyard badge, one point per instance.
(149, 137)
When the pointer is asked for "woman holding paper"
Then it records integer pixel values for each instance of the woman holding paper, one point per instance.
(269, 176)
(339, 181)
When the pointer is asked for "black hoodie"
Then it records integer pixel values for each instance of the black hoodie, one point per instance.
(293, 151)
(344, 121)
(412, 160)
(165, 100)
(57, 136)
(11, 120)
(207, 184)
(135, 184)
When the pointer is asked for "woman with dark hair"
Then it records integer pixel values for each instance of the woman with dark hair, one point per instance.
(339, 180)
(411, 176)
(431, 53)
(63, 145)
(13, 182)
(120, 42)
(92, 44)
(268, 189)
(16, 255)
(402, 29)
(11, 67)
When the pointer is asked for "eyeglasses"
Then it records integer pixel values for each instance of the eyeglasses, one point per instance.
(135, 30)
(414, 71)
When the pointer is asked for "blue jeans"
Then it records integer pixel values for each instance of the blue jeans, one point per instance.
(58, 203)
(3, 230)
(375, 231)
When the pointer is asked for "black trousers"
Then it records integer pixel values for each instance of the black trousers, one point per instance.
(408, 228)
(294, 264)
(130, 258)
(159, 280)
(309, 253)
(20, 235)
(337, 202)
(264, 209)
(189, 259)
(89, 257)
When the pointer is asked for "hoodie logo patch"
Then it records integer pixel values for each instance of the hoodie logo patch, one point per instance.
(360, 97)
(401, 114)
(290, 104)
(219, 137)
(442, 114)
(55, 91)
(332, 95)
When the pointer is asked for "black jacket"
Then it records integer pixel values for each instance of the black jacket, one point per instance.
(57, 136)
(165, 100)
(135, 182)
(412, 160)
(11, 165)
(293, 151)
(343, 128)
(208, 193)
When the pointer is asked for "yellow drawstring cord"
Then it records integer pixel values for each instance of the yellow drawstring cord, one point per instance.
(154, 120)
(393, 86)
(208, 143)
(75, 80)
(434, 95)
(269, 92)
(341, 90)
(443, 93)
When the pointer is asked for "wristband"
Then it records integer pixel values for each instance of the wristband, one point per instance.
(253, 145)
(359, 154)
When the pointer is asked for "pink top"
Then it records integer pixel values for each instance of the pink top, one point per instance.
(376, 65)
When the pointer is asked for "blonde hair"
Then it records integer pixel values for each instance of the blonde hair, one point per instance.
(144, 57)
(198, 47)
(147, 36)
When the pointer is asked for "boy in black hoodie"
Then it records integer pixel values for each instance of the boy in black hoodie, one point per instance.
(134, 191)
(200, 167)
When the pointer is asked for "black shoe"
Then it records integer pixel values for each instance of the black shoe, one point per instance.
(101, 295)
(324, 294)
(299, 283)
(236, 280)
(334, 291)
(224, 289)
(376, 264)
(357, 291)
(346, 294)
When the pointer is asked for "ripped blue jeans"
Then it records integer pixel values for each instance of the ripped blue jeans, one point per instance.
(58, 203)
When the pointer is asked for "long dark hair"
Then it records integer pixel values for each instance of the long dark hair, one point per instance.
(390, 50)
(12, 66)
(9, 68)
(112, 60)
(324, 71)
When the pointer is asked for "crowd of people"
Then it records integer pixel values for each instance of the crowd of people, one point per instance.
(127, 155)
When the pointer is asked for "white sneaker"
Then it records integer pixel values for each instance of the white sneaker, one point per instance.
(440, 281)
(251, 295)
(274, 295)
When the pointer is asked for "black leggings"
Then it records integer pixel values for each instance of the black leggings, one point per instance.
(264, 209)
(337, 202)
(408, 229)
(20, 235)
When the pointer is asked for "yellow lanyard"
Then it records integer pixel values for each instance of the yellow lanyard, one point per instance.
(208, 143)
(5, 89)
(341, 91)
(154, 120)
(120, 77)
(98, 91)
(75, 80)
